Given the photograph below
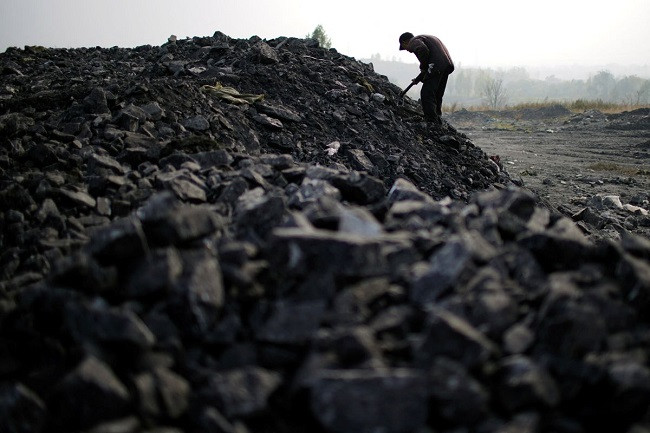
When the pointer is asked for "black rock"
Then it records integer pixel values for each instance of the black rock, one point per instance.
(457, 398)
(451, 336)
(368, 401)
(96, 102)
(563, 319)
(181, 226)
(155, 274)
(197, 123)
(360, 188)
(82, 272)
(256, 214)
(558, 247)
(162, 395)
(403, 190)
(358, 303)
(240, 392)
(198, 295)
(297, 252)
(524, 385)
(118, 328)
(20, 409)
(210, 419)
(185, 185)
(123, 240)
(14, 196)
(104, 161)
(631, 387)
(292, 323)
(214, 158)
(14, 123)
(450, 266)
(88, 395)
(635, 273)
(76, 198)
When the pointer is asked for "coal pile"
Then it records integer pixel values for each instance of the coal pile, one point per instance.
(180, 253)
(634, 120)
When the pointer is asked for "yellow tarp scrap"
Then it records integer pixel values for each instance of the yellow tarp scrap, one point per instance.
(231, 94)
(361, 80)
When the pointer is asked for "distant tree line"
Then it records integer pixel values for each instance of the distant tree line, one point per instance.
(470, 85)
(497, 88)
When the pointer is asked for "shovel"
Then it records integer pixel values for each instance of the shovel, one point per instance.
(400, 100)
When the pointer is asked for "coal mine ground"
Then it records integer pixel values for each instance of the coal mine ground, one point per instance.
(257, 236)
(569, 158)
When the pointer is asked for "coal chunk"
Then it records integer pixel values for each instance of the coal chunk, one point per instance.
(162, 394)
(242, 392)
(456, 397)
(369, 401)
(21, 410)
(523, 384)
(451, 336)
(88, 395)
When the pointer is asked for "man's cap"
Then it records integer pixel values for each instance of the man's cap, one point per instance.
(407, 36)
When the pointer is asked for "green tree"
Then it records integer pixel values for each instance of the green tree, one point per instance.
(320, 35)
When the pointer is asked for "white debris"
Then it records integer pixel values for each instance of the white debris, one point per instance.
(612, 201)
(333, 147)
(635, 209)
(197, 69)
(606, 201)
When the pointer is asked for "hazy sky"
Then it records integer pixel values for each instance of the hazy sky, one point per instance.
(494, 33)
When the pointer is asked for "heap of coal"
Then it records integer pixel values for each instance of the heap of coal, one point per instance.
(181, 253)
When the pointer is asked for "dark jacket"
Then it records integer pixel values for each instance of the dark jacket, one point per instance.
(429, 49)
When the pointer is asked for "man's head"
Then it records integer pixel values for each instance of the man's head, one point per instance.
(404, 40)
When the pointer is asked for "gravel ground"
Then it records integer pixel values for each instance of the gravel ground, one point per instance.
(569, 159)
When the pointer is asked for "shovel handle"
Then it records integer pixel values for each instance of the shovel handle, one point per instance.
(413, 83)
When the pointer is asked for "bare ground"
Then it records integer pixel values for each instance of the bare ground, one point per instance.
(569, 159)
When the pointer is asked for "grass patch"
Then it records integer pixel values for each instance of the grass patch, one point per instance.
(503, 126)
(581, 105)
(619, 169)
(577, 106)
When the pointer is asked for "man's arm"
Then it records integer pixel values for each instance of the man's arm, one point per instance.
(421, 51)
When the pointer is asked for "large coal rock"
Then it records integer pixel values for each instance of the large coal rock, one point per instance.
(253, 235)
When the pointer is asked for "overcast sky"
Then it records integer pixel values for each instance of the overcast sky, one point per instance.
(486, 33)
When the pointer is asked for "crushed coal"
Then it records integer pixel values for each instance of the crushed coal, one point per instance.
(232, 235)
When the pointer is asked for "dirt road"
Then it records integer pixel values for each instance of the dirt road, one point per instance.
(569, 159)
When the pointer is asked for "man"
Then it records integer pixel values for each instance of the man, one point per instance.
(435, 67)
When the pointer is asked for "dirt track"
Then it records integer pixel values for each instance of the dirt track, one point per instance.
(569, 159)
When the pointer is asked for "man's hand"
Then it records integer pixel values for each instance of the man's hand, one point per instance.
(426, 73)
